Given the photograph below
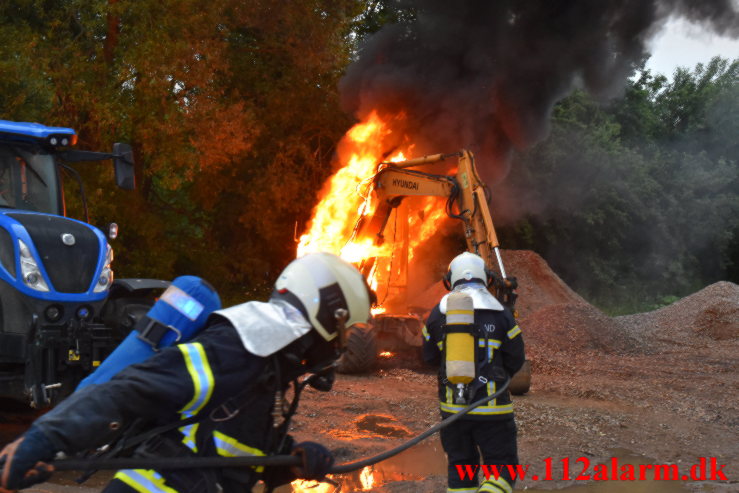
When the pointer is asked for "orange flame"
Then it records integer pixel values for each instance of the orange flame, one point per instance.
(347, 197)
(343, 197)
(367, 478)
(310, 486)
(364, 481)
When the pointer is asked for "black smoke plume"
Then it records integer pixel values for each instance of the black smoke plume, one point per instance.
(485, 74)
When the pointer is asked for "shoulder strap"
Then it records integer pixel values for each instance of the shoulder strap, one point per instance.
(152, 331)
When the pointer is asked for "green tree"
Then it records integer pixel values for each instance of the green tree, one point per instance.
(638, 200)
(231, 109)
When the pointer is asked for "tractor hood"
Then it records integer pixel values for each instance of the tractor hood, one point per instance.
(70, 255)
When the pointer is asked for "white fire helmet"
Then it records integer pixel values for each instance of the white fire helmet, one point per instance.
(320, 285)
(465, 267)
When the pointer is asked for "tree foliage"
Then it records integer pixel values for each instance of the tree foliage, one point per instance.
(231, 108)
(639, 200)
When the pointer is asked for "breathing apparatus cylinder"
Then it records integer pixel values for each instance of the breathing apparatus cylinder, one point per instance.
(459, 342)
(177, 316)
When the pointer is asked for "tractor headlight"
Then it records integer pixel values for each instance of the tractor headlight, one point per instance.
(29, 269)
(106, 275)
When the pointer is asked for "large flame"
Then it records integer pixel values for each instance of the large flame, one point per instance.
(345, 197)
(348, 197)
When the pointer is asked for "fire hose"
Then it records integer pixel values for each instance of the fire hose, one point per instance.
(274, 460)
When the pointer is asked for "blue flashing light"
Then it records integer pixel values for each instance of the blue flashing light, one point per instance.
(34, 130)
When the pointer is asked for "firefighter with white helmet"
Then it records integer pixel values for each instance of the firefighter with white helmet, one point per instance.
(466, 267)
(228, 385)
(476, 344)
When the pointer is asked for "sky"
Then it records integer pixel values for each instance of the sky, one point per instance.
(683, 44)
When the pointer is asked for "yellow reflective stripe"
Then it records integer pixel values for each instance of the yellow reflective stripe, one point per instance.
(201, 375)
(496, 486)
(449, 397)
(514, 332)
(144, 481)
(460, 312)
(491, 391)
(493, 343)
(230, 447)
(440, 344)
(506, 485)
(227, 446)
(190, 432)
(461, 490)
(425, 333)
(481, 410)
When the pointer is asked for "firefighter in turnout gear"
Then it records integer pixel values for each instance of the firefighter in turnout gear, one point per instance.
(227, 387)
(476, 343)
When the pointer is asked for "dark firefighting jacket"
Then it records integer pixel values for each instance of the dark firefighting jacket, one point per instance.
(213, 376)
(499, 349)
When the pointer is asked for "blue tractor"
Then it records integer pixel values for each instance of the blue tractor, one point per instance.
(61, 312)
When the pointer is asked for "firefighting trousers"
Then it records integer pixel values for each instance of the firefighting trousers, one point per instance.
(469, 443)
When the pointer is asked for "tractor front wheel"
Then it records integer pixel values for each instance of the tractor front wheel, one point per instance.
(121, 314)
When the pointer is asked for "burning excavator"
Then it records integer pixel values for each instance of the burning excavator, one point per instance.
(378, 216)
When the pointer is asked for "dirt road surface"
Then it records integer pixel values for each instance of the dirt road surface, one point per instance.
(653, 388)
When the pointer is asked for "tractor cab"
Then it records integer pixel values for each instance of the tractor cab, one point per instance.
(29, 177)
(56, 277)
(29, 180)
(31, 156)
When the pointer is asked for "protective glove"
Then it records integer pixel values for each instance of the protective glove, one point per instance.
(317, 460)
(323, 381)
(23, 462)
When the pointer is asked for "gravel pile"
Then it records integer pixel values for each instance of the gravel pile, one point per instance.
(564, 334)
(538, 285)
(556, 319)
(712, 313)
(574, 328)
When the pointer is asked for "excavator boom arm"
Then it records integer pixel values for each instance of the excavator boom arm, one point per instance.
(394, 182)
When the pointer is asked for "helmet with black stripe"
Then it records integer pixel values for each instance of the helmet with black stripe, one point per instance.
(328, 291)
(467, 267)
